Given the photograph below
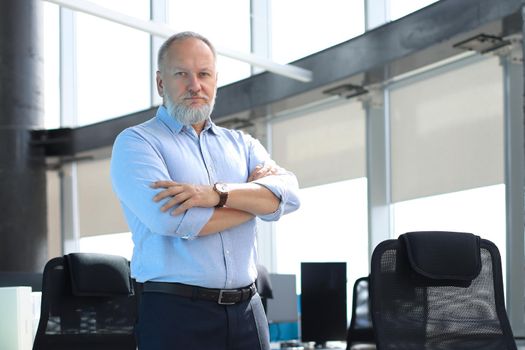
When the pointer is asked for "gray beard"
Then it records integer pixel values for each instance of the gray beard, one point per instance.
(188, 115)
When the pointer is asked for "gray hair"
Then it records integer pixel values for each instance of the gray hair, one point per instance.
(181, 36)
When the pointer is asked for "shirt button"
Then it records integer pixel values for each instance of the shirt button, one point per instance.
(227, 252)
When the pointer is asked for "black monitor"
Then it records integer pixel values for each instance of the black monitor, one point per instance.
(323, 302)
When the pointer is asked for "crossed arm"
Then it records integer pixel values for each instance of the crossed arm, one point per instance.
(245, 200)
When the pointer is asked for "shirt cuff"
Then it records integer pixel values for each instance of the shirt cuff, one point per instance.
(279, 192)
(193, 221)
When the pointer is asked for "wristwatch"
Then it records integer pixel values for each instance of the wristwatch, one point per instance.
(222, 191)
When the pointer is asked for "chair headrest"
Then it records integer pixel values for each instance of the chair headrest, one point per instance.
(99, 274)
(444, 255)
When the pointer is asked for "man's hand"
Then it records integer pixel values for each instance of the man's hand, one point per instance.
(186, 196)
(263, 170)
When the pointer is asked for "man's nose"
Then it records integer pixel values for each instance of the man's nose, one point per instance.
(194, 84)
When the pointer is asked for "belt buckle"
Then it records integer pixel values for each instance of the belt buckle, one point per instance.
(223, 292)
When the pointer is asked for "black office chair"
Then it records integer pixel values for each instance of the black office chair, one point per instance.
(360, 330)
(87, 303)
(437, 291)
(264, 285)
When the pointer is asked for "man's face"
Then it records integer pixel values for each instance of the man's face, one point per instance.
(188, 80)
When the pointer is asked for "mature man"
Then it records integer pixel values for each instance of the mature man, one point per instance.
(190, 191)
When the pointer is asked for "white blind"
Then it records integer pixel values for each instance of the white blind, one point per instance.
(323, 146)
(447, 132)
(99, 209)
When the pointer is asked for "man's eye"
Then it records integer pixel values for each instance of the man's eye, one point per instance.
(180, 74)
(205, 74)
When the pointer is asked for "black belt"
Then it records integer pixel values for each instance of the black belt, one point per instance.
(220, 296)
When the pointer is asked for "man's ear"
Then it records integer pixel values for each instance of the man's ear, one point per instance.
(160, 84)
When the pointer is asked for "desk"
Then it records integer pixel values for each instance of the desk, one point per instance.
(16, 323)
(330, 346)
(295, 345)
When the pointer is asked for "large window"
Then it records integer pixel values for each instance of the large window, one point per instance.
(480, 211)
(226, 24)
(102, 226)
(447, 152)
(301, 28)
(400, 8)
(321, 145)
(325, 148)
(116, 244)
(330, 226)
(112, 64)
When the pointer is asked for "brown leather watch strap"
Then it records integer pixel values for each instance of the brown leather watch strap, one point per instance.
(222, 191)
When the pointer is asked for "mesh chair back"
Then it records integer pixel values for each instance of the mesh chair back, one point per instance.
(89, 307)
(438, 291)
(360, 329)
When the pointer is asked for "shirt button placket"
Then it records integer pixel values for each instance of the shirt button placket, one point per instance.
(229, 263)
(206, 158)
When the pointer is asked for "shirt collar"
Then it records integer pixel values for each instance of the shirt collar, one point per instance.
(172, 123)
(176, 127)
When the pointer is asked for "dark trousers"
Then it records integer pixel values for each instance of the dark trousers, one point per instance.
(170, 322)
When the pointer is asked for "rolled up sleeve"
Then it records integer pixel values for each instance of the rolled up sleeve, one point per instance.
(283, 185)
(135, 165)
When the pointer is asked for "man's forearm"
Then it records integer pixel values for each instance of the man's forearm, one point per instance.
(225, 218)
(252, 198)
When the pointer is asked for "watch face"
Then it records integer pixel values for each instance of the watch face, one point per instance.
(221, 188)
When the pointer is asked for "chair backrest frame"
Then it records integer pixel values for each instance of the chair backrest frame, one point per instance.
(390, 267)
(110, 319)
(360, 333)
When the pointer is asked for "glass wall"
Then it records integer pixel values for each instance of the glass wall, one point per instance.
(114, 79)
(446, 127)
(447, 152)
(102, 226)
(301, 28)
(112, 64)
(401, 8)
(226, 24)
(325, 148)
(115, 243)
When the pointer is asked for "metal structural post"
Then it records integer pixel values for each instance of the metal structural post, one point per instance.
(514, 183)
(378, 168)
(68, 118)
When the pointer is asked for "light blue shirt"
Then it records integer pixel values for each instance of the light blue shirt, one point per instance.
(166, 247)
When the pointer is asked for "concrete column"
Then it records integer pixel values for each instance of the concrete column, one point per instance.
(23, 217)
